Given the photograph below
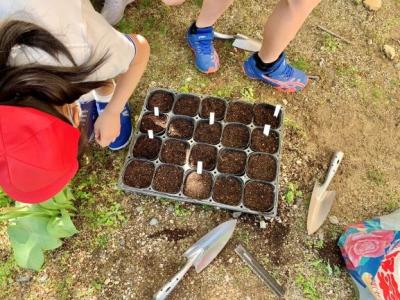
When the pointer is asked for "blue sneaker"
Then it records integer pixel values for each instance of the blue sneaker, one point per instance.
(201, 42)
(125, 135)
(281, 76)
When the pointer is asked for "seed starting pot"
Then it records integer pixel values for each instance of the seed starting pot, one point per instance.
(231, 161)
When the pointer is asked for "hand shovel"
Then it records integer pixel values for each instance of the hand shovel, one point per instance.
(200, 255)
(240, 41)
(322, 199)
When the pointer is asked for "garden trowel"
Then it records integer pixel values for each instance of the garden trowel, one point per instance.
(322, 199)
(200, 255)
(240, 41)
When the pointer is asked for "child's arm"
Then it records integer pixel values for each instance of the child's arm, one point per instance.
(107, 126)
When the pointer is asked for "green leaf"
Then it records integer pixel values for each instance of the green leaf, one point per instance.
(28, 255)
(289, 197)
(61, 227)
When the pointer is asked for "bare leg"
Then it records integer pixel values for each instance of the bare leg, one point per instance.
(283, 25)
(211, 11)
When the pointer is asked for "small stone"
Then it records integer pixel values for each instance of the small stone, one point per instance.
(389, 52)
(298, 162)
(230, 260)
(154, 222)
(370, 42)
(23, 278)
(236, 214)
(263, 224)
(285, 102)
(373, 5)
(334, 220)
(139, 209)
(107, 281)
(43, 278)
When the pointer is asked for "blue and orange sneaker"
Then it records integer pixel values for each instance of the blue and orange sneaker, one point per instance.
(201, 41)
(125, 135)
(281, 75)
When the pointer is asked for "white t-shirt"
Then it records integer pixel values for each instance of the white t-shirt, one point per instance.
(84, 32)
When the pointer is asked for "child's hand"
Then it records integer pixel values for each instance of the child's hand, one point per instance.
(107, 128)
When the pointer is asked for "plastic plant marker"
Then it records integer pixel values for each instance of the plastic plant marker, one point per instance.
(267, 129)
(151, 134)
(156, 111)
(212, 118)
(277, 110)
(199, 167)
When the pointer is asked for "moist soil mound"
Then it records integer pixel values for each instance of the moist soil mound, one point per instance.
(227, 190)
(187, 105)
(138, 174)
(262, 167)
(168, 179)
(152, 122)
(174, 152)
(161, 99)
(239, 112)
(258, 196)
(264, 114)
(206, 133)
(235, 136)
(146, 147)
(198, 186)
(232, 162)
(215, 105)
(205, 153)
(181, 128)
(262, 143)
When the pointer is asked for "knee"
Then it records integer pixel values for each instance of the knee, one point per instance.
(173, 2)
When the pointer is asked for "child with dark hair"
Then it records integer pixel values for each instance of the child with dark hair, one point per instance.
(51, 54)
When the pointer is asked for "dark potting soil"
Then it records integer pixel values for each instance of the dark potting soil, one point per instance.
(227, 190)
(264, 114)
(206, 133)
(187, 105)
(262, 167)
(174, 152)
(205, 153)
(181, 128)
(235, 136)
(239, 112)
(146, 147)
(151, 122)
(232, 162)
(258, 196)
(161, 99)
(215, 105)
(262, 143)
(138, 174)
(198, 186)
(168, 179)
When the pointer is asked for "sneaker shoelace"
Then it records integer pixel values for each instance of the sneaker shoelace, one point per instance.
(205, 46)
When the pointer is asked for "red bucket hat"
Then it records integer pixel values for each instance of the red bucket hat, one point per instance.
(38, 153)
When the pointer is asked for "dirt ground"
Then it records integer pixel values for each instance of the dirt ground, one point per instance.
(354, 106)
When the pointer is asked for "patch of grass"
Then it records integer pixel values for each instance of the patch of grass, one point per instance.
(319, 244)
(225, 91)
(247, 93)
(125, 26)
(206, 207)
(348, 71)
(326, 268)
(101, 241)
(292, 192)
(377, 93)
(243, 236)
(294, 126)
(308, 286)
(64, 287)
(330, 43)
(145, 4)
(376, 176)
(112, 216)
(393, 202)
(301, 63)
(7, 269)
(181, 211)
(5, 201)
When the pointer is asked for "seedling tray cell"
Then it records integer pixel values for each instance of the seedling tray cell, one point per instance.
(241, 164)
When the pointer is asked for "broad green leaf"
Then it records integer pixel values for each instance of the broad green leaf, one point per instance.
(61, 227)
(28, 255)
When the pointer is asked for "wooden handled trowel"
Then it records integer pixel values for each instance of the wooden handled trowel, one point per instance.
(322, 199)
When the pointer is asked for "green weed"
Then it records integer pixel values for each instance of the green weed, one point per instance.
(293, 125)
(330, 43)
(376, 176)
(247, 93)
(101, 241)
(125, 26)
(181, 211)
(111, 216)
(301, 63)
(5, 201)
(308, 286)
(7, 269)
(292, 192)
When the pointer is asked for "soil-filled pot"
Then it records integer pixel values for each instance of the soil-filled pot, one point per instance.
(262, 167)
(187, 105)
(228, 190)
(259, 196)
(151, 122)
(174, 152)
(181, 128)
(264, 115)
(216, 105)
(168, 179)
(262, 143)
(161, 99)
(138, 174)
(198, 186)
(205, 153)
(235, 136)
(206, 133)
(232, 162)
(146, 147)
(239, 112)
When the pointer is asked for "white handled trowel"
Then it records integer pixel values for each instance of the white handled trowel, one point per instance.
(240, 41)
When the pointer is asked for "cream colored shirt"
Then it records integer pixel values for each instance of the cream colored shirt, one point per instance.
(84, 32)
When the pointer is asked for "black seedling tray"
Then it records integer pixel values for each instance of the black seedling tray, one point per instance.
(183, 168)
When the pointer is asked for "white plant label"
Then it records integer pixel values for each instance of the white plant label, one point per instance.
(156, 111)
(199, 167)
(277, 110)
(151, 134)
(212, 118)
(267, 129)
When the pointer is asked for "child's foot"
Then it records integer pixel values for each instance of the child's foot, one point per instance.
(282, 76)
(201, 42)
(126, 127)
(113, 10)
